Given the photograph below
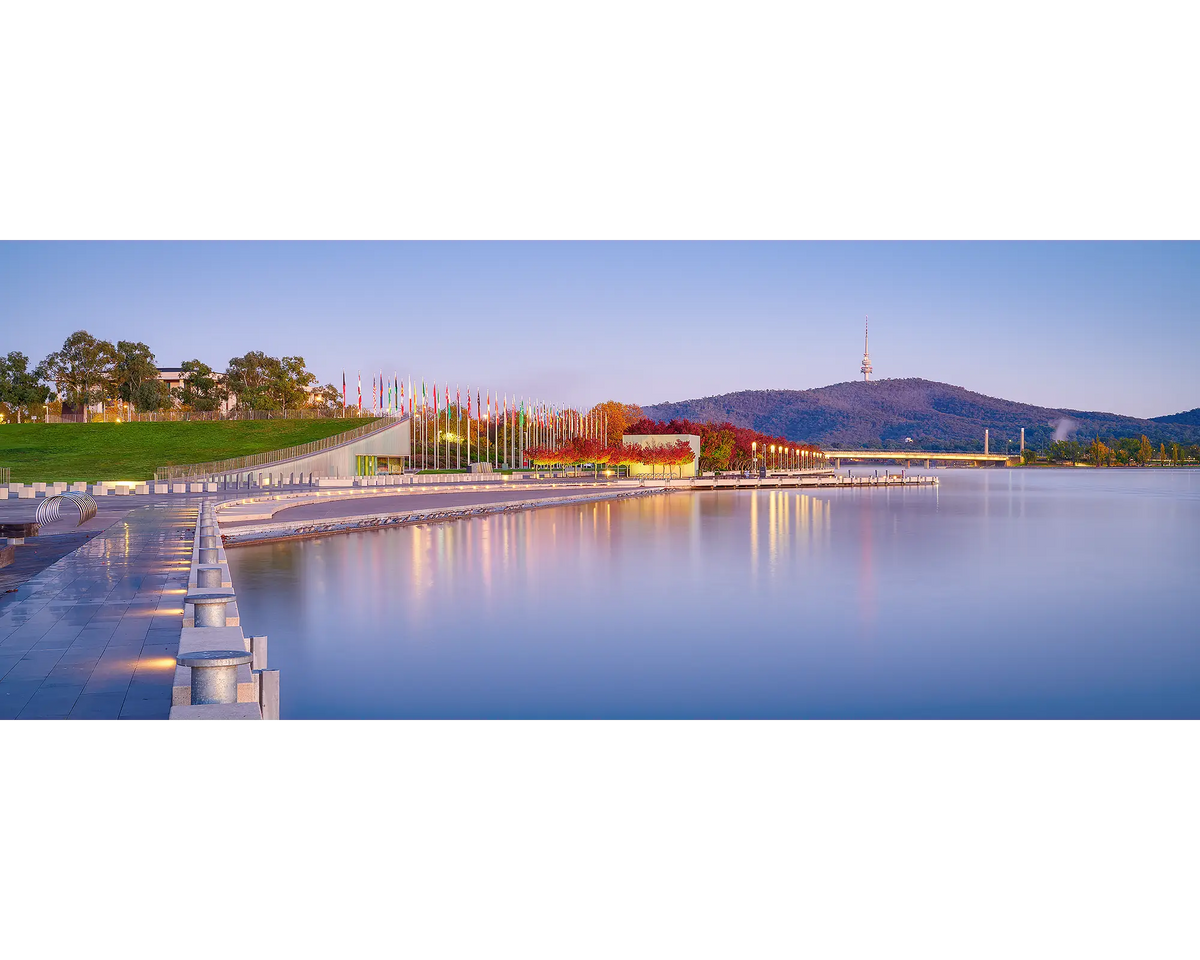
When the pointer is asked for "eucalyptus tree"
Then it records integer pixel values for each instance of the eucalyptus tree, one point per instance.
(201, 388)
(22, 389)
(261, 382)
(136, 377)
(83, 369)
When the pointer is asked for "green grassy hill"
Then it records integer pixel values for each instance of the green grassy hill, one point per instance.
(131, 451)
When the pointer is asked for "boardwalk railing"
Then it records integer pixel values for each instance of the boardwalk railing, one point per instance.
(235, 464)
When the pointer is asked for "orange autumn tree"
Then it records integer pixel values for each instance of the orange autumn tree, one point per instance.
(617, 417)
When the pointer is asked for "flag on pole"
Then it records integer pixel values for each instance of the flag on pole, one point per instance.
(360, 393)
(343, 393)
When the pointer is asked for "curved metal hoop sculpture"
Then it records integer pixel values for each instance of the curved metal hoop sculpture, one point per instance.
(48, 509)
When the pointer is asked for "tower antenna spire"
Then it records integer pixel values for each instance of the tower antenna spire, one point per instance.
(866, 361)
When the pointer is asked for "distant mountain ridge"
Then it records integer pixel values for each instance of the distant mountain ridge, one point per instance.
(1191, 417)
(937, 416)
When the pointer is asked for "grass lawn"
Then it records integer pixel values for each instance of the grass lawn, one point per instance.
(131, 451)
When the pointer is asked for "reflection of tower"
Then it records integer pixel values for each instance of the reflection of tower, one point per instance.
(866, 364)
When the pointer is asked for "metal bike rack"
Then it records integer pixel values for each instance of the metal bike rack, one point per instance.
(49, 509)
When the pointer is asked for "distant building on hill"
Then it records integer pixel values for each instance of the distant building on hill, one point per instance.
(173, 378)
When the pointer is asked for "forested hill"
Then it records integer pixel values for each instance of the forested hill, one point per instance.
(937, 416)
(1191, 417)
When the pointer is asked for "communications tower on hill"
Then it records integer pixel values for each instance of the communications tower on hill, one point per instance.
(866, 364)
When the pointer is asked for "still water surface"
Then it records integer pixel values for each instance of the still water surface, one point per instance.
(1015, 593)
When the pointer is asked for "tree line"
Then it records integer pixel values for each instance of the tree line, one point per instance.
(580, 450)
(726, 447)
(1123, 452)
(87, 371)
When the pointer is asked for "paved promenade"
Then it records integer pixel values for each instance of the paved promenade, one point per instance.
(94, 636)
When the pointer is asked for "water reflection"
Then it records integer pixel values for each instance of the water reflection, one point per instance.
(1004, 593)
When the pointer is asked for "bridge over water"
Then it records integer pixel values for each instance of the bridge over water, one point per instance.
(908, 457)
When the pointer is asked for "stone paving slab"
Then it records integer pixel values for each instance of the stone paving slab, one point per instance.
(94, 634)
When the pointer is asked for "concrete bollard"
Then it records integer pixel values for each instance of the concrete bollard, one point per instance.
(210, 605)
(209, 555)
(214, 674)
(210, 575)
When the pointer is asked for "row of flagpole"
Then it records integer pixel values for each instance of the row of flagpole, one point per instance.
(501, 429)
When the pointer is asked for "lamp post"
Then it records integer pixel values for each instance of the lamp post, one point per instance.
(773, 464)
(754, 450)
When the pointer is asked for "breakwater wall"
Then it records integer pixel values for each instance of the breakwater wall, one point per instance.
(298, 529)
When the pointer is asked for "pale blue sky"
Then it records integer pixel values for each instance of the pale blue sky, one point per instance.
(1103, 326)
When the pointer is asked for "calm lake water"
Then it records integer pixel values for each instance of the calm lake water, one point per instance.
(1001, 593)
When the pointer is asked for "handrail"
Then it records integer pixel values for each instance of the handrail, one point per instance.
(234, 464)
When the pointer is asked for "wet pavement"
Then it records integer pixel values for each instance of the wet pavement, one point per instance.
(94, 634)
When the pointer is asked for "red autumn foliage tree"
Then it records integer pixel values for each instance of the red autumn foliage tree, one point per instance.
(717, 453)
(544, 456)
